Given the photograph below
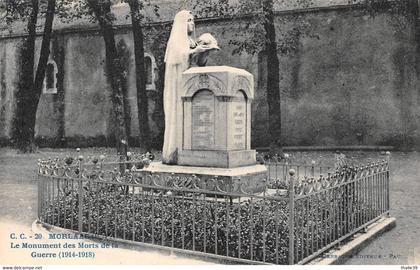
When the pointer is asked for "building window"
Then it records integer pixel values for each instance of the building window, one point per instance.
(150, 66)
(50, 80)
(149, 75)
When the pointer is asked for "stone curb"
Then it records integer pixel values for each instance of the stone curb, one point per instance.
(332, 148)
(360, 240)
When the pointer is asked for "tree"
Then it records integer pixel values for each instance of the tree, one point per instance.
(102, 13)
(124, 55)
(142, 102)
(154, 36)
(29, 89)
(273, 79)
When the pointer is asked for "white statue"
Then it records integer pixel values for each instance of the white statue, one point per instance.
(181, 48)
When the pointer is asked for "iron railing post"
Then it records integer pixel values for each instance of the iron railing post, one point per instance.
(80, 182)
(39, 191)
(388, 159)
(291, 192)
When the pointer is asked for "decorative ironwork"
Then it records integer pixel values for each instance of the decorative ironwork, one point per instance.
(302, 211)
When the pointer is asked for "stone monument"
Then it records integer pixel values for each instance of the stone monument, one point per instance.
(216, 129)
(207, 116)
(217, 117)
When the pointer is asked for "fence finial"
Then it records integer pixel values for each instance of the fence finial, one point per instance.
(291, 218)
(292, 172)
(287, 158)
(388, 155)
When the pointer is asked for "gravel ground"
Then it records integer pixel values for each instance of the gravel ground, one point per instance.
(18, 210)
(18, 198)
(400, 245)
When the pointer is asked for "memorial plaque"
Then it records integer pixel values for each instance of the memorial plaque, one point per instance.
(216, 118)
(203, 120)
(239, 121)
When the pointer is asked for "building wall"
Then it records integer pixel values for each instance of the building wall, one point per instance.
(9, 54)
(353, 83)
(351, 80)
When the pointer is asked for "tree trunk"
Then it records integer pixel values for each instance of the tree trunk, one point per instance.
(124, 60)
(102, 11)
(45, 52)
(273, 80)
(30, 90)
(142, 102)
(24, 124)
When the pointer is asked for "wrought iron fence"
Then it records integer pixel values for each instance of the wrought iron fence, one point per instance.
(297, 217)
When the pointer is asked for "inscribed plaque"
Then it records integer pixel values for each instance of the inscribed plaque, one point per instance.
(239, 121)
(203, 120)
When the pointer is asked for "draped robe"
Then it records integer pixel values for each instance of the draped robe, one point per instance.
(176, 62)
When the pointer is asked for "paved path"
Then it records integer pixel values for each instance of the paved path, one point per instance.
(402, 244)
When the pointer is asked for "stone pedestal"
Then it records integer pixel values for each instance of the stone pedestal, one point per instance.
(249, 177)
(216, 130)
(217, 117)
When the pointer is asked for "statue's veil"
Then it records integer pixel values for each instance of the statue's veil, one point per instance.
(177, 49)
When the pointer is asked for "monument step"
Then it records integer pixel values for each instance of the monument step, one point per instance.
(217, 158)
(160, 167)
(252, 178)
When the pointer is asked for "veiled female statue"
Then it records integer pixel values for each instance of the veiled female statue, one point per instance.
(181, 49)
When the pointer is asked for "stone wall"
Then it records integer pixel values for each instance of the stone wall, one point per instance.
(352, 80)
(9, 54)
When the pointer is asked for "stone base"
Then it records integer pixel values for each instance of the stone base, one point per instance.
(251, 177)
(217, 158)
(355, 244)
